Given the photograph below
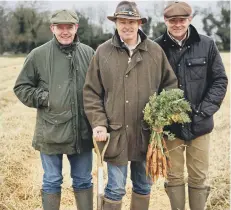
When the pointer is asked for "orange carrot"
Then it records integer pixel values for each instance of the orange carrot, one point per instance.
(154, 160)
(148, 157)
(160, 159)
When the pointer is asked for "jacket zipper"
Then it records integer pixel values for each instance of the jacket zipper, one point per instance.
(75, 100)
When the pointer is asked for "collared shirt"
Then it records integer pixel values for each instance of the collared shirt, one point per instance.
(180, 42)
(131, 48)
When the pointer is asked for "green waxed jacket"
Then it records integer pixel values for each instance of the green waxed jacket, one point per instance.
(51, 81)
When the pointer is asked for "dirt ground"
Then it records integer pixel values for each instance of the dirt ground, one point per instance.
(20, 166)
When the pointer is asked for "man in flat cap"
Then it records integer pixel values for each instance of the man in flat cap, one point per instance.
(201, 74)
(124, 72)
(51, 81)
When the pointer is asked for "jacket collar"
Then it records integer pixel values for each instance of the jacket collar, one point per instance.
(193, 37)
(181, 42)
(66, 49)
(116, 41)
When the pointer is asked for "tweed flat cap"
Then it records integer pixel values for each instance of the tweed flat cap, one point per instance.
(64, 16)
(177, 9)
(128, 10)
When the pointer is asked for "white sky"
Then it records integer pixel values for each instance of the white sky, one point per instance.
(145, 7)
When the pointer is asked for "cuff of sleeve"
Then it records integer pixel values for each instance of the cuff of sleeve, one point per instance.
(99, 124)
(44, 98)
(203, 114)
(200, 113)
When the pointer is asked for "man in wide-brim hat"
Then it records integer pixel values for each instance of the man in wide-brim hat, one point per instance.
(125, 71)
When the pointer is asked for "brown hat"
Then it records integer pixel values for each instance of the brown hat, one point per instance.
(177, 9)
(128, 10)
(64, 16)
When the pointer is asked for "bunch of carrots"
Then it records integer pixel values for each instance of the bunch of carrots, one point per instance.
(163, 110)
(157, 158)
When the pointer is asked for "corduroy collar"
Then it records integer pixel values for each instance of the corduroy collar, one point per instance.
(67, 48)
(193, 37)
(116, 41)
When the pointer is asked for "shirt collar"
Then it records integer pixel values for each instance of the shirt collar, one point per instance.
(132, 47)
(181, 42)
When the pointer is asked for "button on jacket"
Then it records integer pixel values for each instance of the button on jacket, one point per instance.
(201, 74)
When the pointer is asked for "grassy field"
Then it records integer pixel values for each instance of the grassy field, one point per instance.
(21, 170)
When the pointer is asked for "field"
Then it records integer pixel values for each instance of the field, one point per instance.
(21, 170)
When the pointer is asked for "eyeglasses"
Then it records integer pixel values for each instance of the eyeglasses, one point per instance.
(174, 21)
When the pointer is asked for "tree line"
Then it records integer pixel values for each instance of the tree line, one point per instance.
(27, 26)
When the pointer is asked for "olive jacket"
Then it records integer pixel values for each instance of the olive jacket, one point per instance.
(51, 81)
(116, 90)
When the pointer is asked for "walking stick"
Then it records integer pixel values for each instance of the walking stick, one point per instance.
(100, 148)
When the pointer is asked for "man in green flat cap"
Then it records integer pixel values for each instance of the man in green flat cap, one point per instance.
(51, 81)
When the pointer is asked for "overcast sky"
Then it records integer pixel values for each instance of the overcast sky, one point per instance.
(90, 7)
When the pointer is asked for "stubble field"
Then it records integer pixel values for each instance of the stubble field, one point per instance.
(21, 170)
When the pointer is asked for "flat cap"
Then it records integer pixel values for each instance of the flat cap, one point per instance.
(64, 17)
(177, 9)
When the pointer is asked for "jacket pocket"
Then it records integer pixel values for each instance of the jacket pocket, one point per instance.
(145, 136)
(202, 125)
(57, 127)
(115, 146)
(197, 68)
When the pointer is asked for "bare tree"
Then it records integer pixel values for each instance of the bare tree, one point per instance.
(219, 25)
(25, 22)
(3, 23)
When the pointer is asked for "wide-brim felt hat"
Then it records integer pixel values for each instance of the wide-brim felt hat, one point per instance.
(127, 10)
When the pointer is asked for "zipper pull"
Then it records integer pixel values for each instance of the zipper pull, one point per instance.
(129, 60)
(69, 56)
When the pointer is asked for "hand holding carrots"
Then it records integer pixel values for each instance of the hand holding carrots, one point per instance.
(164, 109)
